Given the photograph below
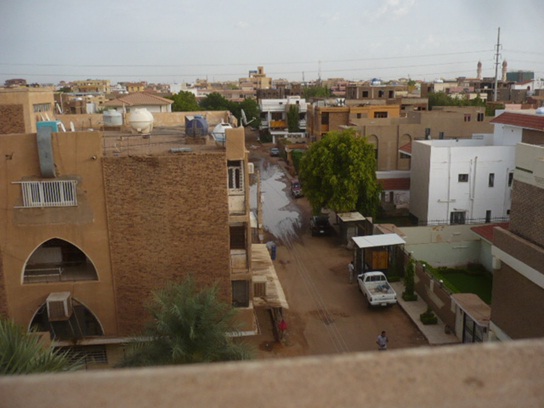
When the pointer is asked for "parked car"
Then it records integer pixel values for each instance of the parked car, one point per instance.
(274, 152)
(296, 189)
(320, 225)
(376, 288)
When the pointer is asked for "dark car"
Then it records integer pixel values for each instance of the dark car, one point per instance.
(320, 225)
(296, 189)
(274, 152)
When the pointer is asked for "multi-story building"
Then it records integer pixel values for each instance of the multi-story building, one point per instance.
(93, 223)
(518, 251)
(462, 181)
(91, 86)
(274, 113)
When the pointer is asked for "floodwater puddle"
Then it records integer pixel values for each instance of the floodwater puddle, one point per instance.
(281, 217)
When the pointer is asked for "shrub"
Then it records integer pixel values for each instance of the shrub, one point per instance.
(428, 317)
(409, 297)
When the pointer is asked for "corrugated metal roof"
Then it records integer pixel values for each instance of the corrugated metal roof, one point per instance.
(523, 120)
(371, 241)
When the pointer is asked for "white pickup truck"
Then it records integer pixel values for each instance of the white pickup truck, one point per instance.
(376, 288)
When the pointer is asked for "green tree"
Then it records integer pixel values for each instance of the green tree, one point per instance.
(443, 99)
(188, 326)
(293, 118)
(339, 172)
(215, 102)
(185, 101)
(251, 109)
(22, 353)
(316, 91)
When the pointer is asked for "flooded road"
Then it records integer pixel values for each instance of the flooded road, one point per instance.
(281, 217)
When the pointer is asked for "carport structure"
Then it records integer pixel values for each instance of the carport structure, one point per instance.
(372, 252)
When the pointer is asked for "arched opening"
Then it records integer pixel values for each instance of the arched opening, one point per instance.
(56, 260)
(66, 318)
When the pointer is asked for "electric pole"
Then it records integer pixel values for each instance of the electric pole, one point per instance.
(497, 55)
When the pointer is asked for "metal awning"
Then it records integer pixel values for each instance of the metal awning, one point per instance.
(371, 241)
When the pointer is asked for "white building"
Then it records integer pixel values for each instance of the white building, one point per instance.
(274, 113)
(463, 181)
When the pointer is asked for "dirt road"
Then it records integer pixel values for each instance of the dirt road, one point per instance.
(327, 314)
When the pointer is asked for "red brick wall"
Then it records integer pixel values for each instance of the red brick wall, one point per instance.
(167, 217)
(13, 120)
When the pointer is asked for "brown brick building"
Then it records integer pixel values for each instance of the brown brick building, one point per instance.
(518, 279)
(94, 225)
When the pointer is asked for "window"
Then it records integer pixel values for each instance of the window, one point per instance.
(359, 115)
(240, 293)
(488, 216)
(491, 181)
(441, 135)
(56, 193)
(480, 117)
(236, 175)
(463, 178)
(42, 107)
(381, 94)
(391, 94)
(510, 179)
(380, 114)
(365, 94)
(457, 217)
(325, 118)
(467, 117)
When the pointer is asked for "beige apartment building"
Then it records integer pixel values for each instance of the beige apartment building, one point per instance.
(91, 226)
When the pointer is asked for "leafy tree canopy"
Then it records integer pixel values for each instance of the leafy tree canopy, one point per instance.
(339, 172)
(293, 118)
(188, 326)
(22, 353)
(251, 109)
(185, 101)
(215, 102)
(443, 99)
(316, 91)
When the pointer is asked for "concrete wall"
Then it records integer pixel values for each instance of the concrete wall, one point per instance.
(25, 229)
(444, 245)
(27, 98)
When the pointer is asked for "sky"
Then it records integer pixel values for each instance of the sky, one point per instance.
(179, 41)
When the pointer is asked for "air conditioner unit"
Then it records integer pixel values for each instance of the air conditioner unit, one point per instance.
(59, 306)
(250, 168)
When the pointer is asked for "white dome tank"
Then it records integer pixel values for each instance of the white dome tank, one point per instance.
(112, 118)
(141, 121)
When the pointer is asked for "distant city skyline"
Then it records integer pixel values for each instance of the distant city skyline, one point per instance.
(179, 41)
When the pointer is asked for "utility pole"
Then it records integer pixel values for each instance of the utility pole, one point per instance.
(497, 55)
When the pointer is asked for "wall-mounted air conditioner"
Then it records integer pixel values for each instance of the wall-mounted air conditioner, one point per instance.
(59, 306)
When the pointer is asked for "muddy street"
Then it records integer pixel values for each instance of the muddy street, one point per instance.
(327, 314)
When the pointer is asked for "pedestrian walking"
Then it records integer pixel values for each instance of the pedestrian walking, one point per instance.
(351, 270)
(382, 341)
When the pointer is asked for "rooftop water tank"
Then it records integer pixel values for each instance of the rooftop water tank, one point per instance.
(196, 126)
(141, 121)
(112, 118)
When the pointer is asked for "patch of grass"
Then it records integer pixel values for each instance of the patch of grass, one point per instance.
(473, 279)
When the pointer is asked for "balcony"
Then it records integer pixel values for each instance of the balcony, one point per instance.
(59, 272)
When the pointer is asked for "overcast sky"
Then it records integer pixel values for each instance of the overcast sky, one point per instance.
(174, 41)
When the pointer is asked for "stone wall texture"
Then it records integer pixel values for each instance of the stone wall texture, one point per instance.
(167, 218)
(13, 120)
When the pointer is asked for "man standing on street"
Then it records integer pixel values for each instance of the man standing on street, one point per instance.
(382, 341)
(351, 269)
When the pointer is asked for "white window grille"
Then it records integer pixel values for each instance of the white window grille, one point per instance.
(236, 176)
(54, 193)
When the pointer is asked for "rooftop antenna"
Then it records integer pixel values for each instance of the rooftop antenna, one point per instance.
(497, 55)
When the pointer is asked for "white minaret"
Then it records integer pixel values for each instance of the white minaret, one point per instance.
(504, 70)
(479, 70)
